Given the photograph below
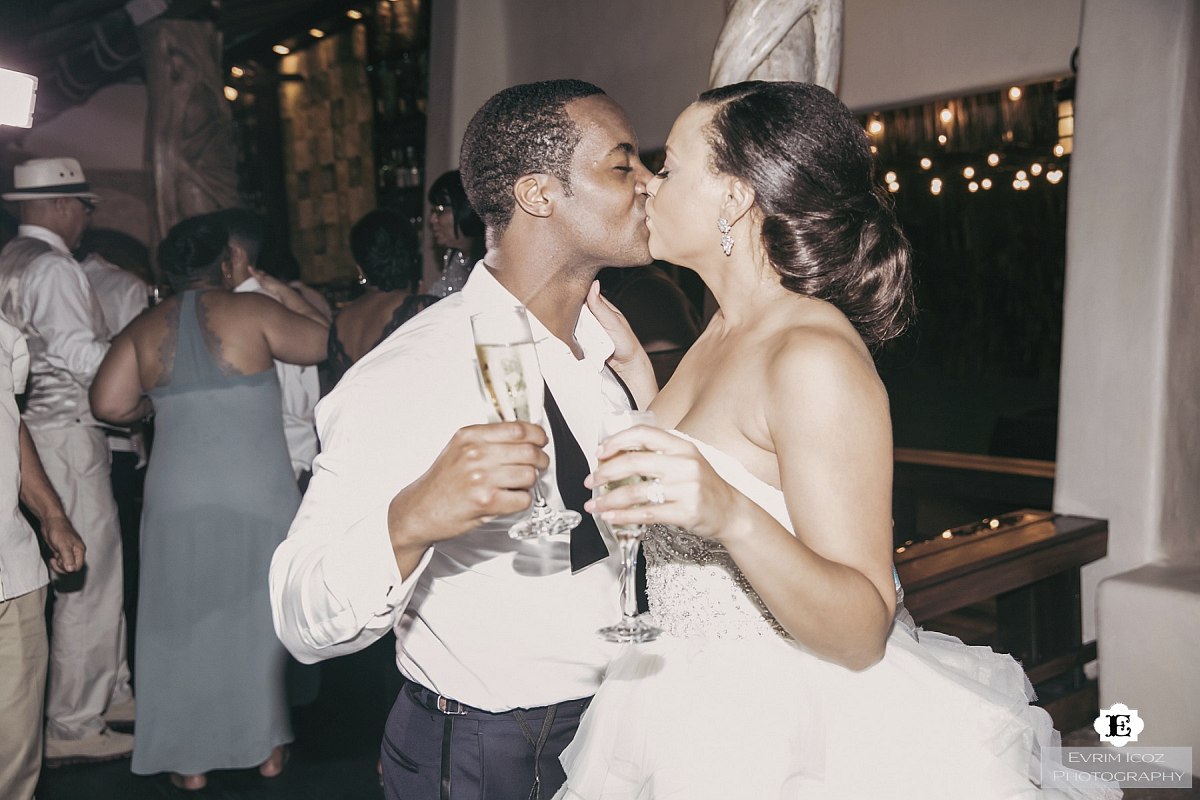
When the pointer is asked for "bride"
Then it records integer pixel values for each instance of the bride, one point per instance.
(786, 668)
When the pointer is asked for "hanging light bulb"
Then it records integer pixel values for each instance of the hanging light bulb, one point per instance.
(946, 115)
(942, 138)
(890, 177)
(875, 126)
(1059, 150)
(893, 187)
(986, 184)
(237, 72)
(973, 187)
(354, 13)
(1035, 169)
(874, 149)
(231, 93)
(1022, 175)
(281, 50)
(968, 172)
(1054, 175)
(993, 159)
(935, 186)
(316, 33)
(1014, 93)
(926, 163)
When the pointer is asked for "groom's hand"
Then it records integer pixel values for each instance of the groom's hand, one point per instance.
(485, 471)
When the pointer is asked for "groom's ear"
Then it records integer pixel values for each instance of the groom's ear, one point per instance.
(533, 194)
(739, 199)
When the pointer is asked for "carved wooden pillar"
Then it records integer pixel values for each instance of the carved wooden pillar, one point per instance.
(193, 154)
(780, 40)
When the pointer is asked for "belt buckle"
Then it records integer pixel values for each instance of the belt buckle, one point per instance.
(450, 707)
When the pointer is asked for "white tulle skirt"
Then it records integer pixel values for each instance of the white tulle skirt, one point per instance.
(758, 719)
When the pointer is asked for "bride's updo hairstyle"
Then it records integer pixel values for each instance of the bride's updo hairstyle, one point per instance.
(828, 228)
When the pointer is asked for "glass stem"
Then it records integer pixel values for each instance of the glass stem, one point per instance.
(539, 502)
(629, 607)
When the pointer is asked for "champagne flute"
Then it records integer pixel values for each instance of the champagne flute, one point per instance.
(511, 381)
(631, 628)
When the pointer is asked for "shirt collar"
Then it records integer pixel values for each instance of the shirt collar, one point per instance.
(482, 291)
(251, 284)
(46, 235)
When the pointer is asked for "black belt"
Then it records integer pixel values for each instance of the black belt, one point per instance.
(431, 700)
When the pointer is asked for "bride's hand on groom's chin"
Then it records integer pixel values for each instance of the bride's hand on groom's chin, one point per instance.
(629, 359)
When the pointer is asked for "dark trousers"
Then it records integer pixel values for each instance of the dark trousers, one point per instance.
(475, 755)
(127, 483)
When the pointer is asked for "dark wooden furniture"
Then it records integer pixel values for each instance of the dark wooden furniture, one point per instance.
(1029, 562)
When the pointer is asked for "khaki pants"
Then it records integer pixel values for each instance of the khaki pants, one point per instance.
(23, 656)
(88, 667)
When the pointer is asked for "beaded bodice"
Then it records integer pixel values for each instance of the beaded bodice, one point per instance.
(694, 586)
(695, 589)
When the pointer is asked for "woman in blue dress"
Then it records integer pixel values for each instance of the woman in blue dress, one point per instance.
(219, 497)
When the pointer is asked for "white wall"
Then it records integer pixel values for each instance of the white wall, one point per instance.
(108, 132)
(653, 56)
(1129, 419)
(899, 52)
(107, 135)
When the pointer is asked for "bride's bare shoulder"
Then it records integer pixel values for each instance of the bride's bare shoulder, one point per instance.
(821, 360)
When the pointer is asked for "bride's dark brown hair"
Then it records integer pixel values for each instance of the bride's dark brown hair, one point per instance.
(828, 227)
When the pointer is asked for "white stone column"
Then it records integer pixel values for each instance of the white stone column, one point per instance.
(1129, 411)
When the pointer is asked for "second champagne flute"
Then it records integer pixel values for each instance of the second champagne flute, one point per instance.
(631, 628)
(512, 382)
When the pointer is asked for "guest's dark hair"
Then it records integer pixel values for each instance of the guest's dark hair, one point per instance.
(387, 249)
(448, 191)
(828, 228)
(117, 248)
(246, 228)
(520, 130)
(193, 251)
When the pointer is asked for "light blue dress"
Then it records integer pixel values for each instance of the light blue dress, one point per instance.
(219, 498)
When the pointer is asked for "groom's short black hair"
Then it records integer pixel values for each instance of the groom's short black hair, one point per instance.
(520, 130)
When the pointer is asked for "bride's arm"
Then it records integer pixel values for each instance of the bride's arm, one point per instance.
(831, 585)
(629, 359)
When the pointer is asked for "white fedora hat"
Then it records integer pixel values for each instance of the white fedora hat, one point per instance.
(40, 178)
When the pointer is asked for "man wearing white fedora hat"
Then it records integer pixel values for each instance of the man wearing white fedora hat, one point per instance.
(44, 291)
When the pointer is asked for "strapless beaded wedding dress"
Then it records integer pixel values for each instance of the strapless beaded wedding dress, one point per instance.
(726, 706)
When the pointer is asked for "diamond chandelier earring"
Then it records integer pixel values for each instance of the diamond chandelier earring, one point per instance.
(726, 239)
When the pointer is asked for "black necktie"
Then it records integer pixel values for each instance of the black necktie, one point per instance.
(570, 468)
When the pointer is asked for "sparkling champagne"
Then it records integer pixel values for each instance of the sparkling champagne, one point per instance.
(624, 531)
(507, 371)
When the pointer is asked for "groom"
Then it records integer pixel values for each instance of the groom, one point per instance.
(404, 524)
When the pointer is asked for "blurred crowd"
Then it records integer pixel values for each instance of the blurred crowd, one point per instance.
(157, 436)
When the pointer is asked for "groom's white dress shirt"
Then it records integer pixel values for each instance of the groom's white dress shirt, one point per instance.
(485, 620)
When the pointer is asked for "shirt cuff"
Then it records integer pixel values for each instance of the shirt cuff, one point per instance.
(362, 571)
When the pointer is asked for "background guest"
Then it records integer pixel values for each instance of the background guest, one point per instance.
(457, 228)
(299, 384)
(45, 294)
(117, 265)
(220, 494)
(387, 253)
(24, 650)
